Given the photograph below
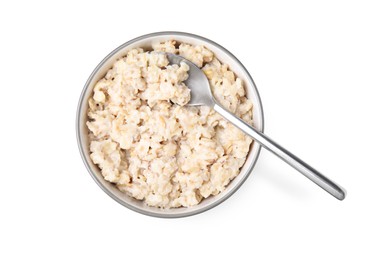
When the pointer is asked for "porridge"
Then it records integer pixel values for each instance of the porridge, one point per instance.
(153, 147)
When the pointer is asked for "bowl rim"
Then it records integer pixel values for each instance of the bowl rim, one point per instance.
(80, 143)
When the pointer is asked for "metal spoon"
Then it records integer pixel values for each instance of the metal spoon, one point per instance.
(201, 96)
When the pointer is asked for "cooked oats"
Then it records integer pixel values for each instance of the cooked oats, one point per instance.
(153, 147)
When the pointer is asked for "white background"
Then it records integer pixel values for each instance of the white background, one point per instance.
(322, 69)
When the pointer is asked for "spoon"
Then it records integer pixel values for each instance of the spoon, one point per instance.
(201, 96)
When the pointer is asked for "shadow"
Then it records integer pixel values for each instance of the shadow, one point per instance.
(279, 182)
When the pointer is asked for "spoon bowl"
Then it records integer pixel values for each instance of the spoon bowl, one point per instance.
(197, 81)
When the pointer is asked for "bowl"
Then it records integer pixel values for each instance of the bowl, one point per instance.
(145, 42)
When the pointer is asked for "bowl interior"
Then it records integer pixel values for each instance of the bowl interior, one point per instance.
(146, 43)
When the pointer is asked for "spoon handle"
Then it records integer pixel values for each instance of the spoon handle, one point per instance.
(283, 154)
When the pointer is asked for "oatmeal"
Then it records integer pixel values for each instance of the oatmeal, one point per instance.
(153, 147)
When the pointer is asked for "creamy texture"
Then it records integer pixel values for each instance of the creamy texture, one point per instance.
(153, 147)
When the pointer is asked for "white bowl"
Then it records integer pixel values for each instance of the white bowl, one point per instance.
(146, 42)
